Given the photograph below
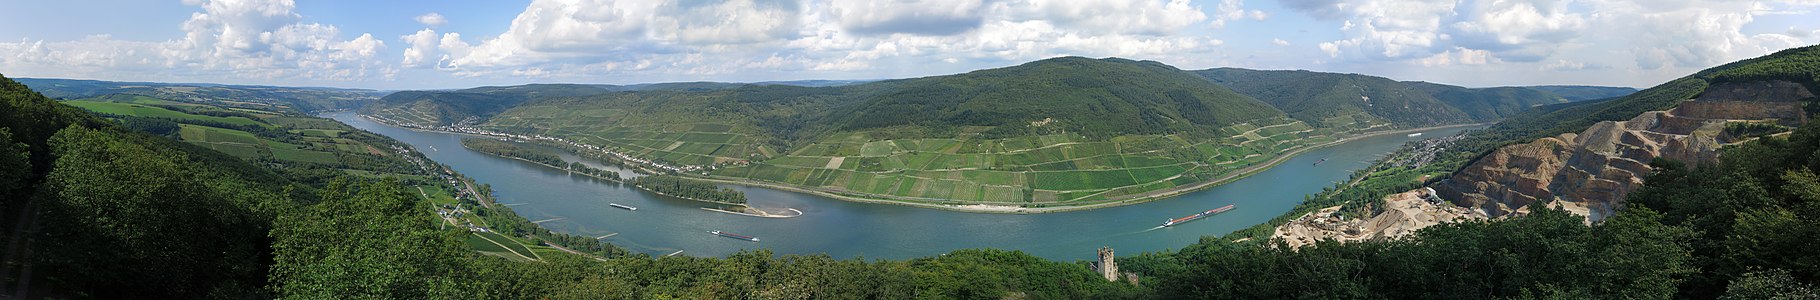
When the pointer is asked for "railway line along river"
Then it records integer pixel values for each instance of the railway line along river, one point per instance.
(843, 229)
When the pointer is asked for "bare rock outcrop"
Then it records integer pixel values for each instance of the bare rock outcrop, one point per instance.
(1594, 169)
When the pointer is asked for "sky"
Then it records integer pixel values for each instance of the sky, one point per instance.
(437, 44)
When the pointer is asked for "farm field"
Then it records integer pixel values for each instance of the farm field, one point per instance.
(136, 109)
(703, 143)
(1055, 169)
(289, 139)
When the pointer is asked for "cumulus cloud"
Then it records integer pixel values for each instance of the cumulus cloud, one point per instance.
(1279, 42)
(926, 17)
(421, 46)
(1234, 10)
(431, 19)
(1659, 33)
(263, 39)
(568, 37)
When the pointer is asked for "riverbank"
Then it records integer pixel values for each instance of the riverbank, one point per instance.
(997, 208)
(613, 179)
(1012, 209)
(754, 212)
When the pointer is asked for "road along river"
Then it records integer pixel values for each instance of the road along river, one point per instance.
(842, 229)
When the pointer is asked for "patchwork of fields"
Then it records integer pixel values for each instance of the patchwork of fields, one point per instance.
(309, 140)
(1058, 169)
(683, 144)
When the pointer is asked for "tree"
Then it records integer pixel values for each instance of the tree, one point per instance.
(124, 220)
(366, 240)
(15, 166)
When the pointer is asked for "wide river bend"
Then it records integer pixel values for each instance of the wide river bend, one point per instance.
(842, 229)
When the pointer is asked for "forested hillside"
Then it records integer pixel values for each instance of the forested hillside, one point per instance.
(1315, 97)
(1489, 104)
(1582, 93)
(289, 99)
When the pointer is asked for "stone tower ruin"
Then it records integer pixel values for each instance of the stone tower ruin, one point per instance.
(1106, 266)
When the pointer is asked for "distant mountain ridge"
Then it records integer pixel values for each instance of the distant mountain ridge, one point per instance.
(296, 99)
(1312, 96)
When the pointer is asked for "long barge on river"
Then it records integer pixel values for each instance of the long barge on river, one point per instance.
(731, 235)
(1204, 214)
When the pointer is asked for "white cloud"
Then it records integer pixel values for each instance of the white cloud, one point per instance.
(1457, 56)
(575, 37)
(1279, 42)
(241, 39)
(925, 17)
(1661, 35)
(1138, 17)
(1684, 34)
(431, 19)
(1234, 10)
(422, 46)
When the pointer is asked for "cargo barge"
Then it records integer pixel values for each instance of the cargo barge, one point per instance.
(1204, 214)
(731, 235)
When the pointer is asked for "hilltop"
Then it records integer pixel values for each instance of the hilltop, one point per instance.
(1065, 131)
(283, 99)
(1316, 96)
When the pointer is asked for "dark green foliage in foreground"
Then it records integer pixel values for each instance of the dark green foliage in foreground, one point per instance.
(374, 240)
(122, 219)
(691, 189)
(1548, 253)
(1756, 210)
(15, 166)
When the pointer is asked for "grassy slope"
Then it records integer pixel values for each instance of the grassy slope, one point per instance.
(132, 109)
(311, 140)
(293, 99)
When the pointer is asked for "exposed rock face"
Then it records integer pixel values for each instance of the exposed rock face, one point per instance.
(1592, 171)
(1404, 214)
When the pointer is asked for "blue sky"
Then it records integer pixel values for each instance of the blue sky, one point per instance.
(424, 44)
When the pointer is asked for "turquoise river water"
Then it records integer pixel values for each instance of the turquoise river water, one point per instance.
(844, 229)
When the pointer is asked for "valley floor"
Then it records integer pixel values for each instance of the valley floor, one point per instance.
(1014, 209)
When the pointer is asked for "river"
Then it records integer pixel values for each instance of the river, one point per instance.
(842, 229)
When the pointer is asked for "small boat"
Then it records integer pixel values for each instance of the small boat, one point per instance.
(1319, 162)
(627, 207)
(1415, 134)
(1204, 214)
(731, 235)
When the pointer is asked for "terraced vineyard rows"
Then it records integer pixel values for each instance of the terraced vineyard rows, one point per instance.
(1034, 170)
(685, 144)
